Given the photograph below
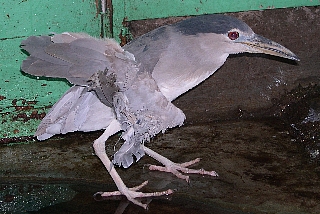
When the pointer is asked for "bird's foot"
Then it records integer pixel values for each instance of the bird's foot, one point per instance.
(176, 169)
(132, 194)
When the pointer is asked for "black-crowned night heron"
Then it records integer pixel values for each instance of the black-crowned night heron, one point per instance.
(131, 89)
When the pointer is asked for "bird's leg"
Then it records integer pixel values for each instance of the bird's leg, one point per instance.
(176, 168)
(130, 193)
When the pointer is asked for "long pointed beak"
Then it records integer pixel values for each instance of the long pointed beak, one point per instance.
(259, 44)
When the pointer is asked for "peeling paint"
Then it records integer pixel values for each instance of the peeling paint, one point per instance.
(27, 111)
(13, 140)
(125, 35)
(33, 116)
(17, 118)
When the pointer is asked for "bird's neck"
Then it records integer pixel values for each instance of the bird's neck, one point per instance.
(185, 64)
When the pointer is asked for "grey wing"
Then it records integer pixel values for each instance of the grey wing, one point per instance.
(77, 110)
(148, 48)
(83, 60)
(39, 63)
(75, 57)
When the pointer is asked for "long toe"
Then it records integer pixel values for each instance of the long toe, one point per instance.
(178, 169)
(132, 194)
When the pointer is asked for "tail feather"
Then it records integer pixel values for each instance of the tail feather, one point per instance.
(77, 110)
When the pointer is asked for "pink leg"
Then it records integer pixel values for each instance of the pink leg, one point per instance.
(174, 168)
(130, 193)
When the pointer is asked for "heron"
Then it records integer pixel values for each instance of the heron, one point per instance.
(130, 89)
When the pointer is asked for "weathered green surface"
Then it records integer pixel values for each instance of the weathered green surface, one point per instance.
(146, 9)
(23, 99)
(129, 10)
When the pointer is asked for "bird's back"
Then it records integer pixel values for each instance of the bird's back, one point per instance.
(148, 48)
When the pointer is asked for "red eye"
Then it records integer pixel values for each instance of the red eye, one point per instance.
(233, 35)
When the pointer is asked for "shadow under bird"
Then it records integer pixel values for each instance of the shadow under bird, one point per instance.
(130, 88)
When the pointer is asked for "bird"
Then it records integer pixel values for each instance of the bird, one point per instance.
(130, 89)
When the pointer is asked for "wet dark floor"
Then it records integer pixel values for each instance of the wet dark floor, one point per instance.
(77, 198)
(262, 170)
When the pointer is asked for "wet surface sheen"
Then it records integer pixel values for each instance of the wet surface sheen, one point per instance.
(262, 170)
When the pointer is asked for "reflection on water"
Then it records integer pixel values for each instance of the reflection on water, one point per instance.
(25, 197)
(77, 198)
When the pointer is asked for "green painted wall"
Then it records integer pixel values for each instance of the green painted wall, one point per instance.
(24, 99)
(150, 9)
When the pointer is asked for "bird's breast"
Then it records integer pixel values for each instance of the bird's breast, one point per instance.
(186, 62)
(175, 77)
(174, 86)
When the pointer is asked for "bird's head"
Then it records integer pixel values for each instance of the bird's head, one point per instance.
(232, 36)
(250, 42)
